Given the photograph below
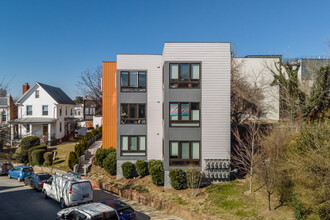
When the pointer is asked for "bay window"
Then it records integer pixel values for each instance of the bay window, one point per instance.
(184, 75)
(133, 114)
(133, 81)
(132, 145)
(184, 153)
(184, 114)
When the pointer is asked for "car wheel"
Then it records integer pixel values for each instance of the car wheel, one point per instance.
(62, 204)
(45, 194)
(9, 176)
(19, 179)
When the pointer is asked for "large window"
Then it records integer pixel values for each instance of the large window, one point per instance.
(184, 75)
(134, 81)
(184, 114)
(184, 153)
(29, 110)
(133, 145)
(133, 114)
(45, 110)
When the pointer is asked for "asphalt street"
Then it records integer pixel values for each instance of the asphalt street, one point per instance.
(18, 201)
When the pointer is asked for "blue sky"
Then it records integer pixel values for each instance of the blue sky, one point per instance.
(54, 41)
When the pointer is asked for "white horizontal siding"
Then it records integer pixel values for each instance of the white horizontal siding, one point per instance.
(153, 65)
(215, 85)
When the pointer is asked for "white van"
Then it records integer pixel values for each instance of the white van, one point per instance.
(68, 190)
(93, 211)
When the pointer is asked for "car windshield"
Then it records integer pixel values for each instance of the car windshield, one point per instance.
(28, 169)
(126, 210)
(44, 177)
(116, 204)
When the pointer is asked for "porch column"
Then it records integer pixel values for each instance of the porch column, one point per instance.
(30, 125)
(11, 132)
(49, 132)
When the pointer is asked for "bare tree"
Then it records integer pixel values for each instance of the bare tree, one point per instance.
(90, 84)
(273, 146)
(194, 180)
(246, 98)
(246, 153)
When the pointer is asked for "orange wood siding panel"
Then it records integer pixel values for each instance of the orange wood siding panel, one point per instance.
(109, 105)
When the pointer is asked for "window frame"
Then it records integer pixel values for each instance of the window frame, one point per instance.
(37, 94)
(28, 111)
(42, 109)
(137, 114)
(189, 161)
(189, 82)
(138, 146)
(128, 79)
(179, 115)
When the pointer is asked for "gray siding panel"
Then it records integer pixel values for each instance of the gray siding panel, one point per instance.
(153, 65)
(215, 78)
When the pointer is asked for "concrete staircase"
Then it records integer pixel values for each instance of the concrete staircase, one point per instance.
(88, 157)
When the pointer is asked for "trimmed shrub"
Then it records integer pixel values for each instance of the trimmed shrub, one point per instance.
(110, 162)
(25, 144)
(150, 164)
(39, 147)
(141, 167)
(38, 157)
(194, 177)
(72, 159)
(156, 171)
(101, 154)
(177, 177)
(48, 158)
(127, 168)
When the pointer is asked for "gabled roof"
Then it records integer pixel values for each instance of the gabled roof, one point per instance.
(56, 93)
(3, 100)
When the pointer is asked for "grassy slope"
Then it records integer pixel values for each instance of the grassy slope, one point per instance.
(62, 156)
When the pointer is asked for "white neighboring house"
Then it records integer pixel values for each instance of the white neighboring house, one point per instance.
(8, 109)
(256, 70)
(79, 111)
(44, 111)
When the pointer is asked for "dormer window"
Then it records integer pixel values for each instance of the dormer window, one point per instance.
(37, 94)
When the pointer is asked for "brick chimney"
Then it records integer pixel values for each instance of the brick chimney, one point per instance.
(26, 87)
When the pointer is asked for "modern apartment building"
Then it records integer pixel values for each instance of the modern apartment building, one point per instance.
(174, 107)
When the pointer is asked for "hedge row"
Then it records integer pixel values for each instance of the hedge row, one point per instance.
(32, 149)
(80, 147)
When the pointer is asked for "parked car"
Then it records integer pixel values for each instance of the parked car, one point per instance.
(124, 211)
(68, 190)
(37, 180)
(5, 167)
(93, 211)
(20, 172)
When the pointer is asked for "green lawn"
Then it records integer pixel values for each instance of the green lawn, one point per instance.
(63, 150)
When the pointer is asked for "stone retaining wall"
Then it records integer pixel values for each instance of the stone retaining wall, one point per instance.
(153, 202)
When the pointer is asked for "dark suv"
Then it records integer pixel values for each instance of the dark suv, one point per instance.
(37, 180)
(5, 167)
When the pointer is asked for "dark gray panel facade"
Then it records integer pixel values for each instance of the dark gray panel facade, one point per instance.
(178, 133)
